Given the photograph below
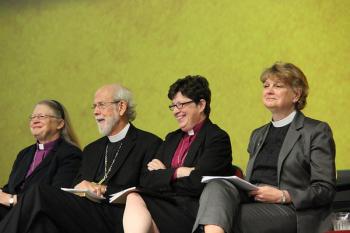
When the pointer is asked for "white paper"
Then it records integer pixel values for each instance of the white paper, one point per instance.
(239, 182)
(84, 192)
(120, 197)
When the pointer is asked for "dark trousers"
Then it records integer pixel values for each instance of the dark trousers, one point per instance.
(3, 211)
(222, 204)
(44, 209)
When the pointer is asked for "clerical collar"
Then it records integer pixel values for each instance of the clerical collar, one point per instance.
(46, 146)
(119, 136)
(195, 129)
(285, 121)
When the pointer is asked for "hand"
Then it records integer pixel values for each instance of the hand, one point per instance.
(183, 171)
(98, 189)
(5, 197)
(155, 164)
(269, 194)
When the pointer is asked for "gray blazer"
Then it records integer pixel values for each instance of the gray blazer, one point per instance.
(306, 168)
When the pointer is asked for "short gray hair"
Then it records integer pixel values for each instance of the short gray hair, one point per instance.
(123, 93)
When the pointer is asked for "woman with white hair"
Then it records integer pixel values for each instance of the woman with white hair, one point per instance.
(54, 159)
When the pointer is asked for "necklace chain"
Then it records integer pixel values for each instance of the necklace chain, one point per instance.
(107, 171)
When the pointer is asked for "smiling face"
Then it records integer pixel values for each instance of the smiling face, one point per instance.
(279, 97)
(107, 113)
(189, 114)
(44, 125)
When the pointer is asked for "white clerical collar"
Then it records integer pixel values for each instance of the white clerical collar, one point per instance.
(46, 146)
(195, 129)
(285, 121)
(119, 136)
(190, 132)
(41, 146)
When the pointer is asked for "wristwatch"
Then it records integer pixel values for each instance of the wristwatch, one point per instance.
(283, 197)
(11, 201)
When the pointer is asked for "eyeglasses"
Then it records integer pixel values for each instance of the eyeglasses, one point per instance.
(179, 105)
(41, 117)
(103, 105)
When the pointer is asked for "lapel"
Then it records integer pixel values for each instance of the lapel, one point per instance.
(171, 148)
(24, 166)
(95, 159)
(128, 144)
(192, 152)
(292, 136)
(258, 142)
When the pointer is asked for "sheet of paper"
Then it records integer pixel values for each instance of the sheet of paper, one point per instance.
(239, 182)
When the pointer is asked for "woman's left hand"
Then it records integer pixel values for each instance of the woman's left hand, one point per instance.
(267, 194)
(155, 164)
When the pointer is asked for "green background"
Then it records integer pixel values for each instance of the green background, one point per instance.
(65, 50)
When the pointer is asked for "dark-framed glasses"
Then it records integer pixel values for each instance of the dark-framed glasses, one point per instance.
(42, 117)
(179, 105)
(103, 105)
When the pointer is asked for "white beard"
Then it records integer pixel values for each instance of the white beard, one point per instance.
(106, 128)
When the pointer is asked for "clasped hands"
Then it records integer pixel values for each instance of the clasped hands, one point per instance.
(98, 189)
(156, 164)
(269, 194)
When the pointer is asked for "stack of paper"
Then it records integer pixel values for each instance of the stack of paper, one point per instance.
(240, 183)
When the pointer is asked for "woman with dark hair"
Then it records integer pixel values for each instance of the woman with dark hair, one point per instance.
(292, 161)
(54, 159)
(198, 148)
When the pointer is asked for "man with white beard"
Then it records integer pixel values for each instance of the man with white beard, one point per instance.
(110, 164)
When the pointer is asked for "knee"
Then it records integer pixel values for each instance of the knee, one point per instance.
(39, 192)
(134, 199)
(220, 187)
(40, 189)
(216, 184)
(34, 189)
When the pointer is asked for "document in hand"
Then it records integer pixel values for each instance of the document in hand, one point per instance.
(85, 193)
(238, 182)
(120, 197)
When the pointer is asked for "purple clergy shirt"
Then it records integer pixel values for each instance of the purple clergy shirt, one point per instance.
(183, 147)
(42, 150)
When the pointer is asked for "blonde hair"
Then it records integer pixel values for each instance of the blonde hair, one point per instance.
(292, 76)
(67, 132)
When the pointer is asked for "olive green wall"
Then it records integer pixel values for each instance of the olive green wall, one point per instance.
(66, 49)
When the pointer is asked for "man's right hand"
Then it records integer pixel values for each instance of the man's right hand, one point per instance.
(98, 189)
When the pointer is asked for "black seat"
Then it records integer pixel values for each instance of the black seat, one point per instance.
(342, 197)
